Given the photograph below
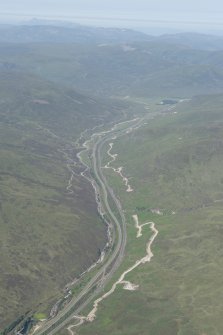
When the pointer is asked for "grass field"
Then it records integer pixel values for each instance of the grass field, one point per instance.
(175, 166)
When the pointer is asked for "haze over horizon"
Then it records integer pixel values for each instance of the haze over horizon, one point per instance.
(205, 16)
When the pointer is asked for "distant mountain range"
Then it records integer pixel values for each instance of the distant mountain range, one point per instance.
(108, 61)
(67, 34)
(37, 31)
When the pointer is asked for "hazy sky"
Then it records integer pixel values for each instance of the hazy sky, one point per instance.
(185, 12)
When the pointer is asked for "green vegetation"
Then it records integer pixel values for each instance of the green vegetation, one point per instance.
(141, 69)
(46, 233)
(175, 165)
(40, 316)
(174, 162)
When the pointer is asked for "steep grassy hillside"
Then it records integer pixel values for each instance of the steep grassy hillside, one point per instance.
(175, 168)
(62, 110)
(48, 236)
